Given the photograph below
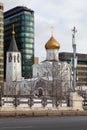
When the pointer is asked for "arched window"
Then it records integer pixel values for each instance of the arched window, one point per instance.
(18, 58)
(40, 87)
(14, 58)
(10, 57)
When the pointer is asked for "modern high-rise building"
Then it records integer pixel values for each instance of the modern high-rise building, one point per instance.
(23, 20)
(81, 66)
(1, 44)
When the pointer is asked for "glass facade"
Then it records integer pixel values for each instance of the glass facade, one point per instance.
(23, 20)
(1, 45)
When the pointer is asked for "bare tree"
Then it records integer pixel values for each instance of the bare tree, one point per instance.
(57, 78)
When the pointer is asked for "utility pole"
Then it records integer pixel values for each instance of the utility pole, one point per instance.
(74, 59)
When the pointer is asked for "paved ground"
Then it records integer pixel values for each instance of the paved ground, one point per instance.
(44, 123)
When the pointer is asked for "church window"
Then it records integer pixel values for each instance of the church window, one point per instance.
(54, 55)
(14, 58)
(10, 57)
(18, 58)
(50, 55)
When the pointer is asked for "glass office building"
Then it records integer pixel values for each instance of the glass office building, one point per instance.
(1, 44)
(23, 20)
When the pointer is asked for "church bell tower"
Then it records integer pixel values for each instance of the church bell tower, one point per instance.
(13, 62)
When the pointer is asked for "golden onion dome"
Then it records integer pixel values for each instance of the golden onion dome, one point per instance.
(52, 44)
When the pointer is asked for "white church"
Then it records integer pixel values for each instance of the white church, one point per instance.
(50, 82)
(51, 78)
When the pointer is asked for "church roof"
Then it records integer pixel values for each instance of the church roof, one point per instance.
(52, 44)
(13, 46)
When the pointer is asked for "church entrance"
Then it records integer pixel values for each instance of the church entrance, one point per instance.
(40, 88)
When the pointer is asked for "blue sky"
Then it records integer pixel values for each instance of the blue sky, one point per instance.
(63, 15)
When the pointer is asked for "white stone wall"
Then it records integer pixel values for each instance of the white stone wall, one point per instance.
(76, 101)
(60, 71)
